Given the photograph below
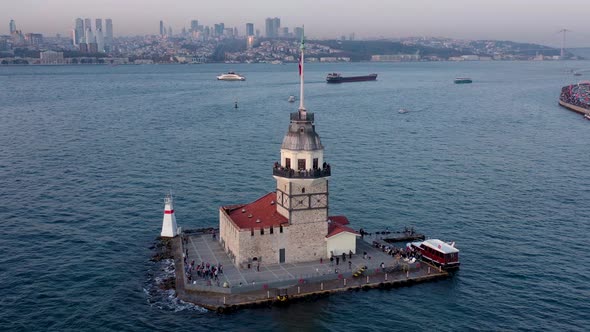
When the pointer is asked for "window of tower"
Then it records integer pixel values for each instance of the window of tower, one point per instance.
(271, 230)
(287, 162)
(262, 231)
(316, 163)
(280, 228)
(303, 190)
(300, 163)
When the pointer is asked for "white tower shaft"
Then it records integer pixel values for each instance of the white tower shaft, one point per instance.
(169, 227)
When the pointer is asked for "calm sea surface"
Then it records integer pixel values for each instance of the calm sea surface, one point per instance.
(87, 153)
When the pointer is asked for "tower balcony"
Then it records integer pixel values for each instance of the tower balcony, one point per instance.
(316, 173)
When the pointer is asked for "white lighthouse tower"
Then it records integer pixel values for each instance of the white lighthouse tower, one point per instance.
(169, 228)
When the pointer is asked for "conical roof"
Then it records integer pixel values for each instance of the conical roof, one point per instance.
(301, 134)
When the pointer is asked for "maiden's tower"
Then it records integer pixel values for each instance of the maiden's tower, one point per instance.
(291, 224)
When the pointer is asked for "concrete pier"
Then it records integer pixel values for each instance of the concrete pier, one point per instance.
(266, 284)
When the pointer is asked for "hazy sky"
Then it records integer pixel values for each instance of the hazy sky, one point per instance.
(519, 20)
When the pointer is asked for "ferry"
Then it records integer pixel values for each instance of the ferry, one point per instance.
(438, 252)
(463, 80)
(338, 78)
(231, 76)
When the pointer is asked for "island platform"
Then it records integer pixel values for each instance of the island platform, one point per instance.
(260, 284)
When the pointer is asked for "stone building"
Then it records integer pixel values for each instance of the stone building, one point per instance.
(291, 224)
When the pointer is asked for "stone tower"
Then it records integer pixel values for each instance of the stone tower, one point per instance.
(302, 183)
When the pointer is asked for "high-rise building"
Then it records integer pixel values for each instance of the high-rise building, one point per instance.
(170, 31)
(194, 25)
(78, 33)
(34, 39)
(162, 29)
(268, 27)
(284, 32)
(235, 31)
(99, 40)
(249, 29)
(109, 32)
(12, 27)
(272, 27)
(98, 23)
(298, 32)
(87, 24)
(219, 29)
(88, 35)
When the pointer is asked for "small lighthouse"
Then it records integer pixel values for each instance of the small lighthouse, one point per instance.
(169, 228)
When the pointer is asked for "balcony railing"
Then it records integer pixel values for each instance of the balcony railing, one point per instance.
(301, 174)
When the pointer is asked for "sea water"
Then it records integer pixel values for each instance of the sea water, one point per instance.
(88, 152)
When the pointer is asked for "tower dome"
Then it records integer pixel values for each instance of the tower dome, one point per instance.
(301, 135)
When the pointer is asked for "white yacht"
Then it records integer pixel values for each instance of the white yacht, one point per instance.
(231, 76)
(291, 99)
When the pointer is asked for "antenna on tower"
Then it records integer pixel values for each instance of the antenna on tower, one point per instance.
(564, 31)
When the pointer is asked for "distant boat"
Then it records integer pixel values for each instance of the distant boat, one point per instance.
(291, 99)
(402, 111)
(337, 78)
(231, 76)
(463, 80)
(577, 74)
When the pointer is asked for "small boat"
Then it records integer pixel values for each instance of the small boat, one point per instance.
(438, 252)
(587, 116)
(291, 99)
(402, 111)
(231, 76)
(463, 80)
(338, 78)
(577, 74)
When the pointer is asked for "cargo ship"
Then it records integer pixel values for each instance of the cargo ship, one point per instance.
(463, 80)
(576, 97)
(338, 78)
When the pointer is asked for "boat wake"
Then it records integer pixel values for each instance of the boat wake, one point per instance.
(157, 292)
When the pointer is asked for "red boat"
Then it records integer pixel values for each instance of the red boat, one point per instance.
(438, 252)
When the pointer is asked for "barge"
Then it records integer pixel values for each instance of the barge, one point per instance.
(338, 78)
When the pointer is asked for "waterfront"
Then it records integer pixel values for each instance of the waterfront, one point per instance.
(497, 166)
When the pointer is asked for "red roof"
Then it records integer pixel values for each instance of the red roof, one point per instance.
(263, 210)
(337, 226)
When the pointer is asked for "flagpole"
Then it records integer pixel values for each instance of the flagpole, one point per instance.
(302, 60)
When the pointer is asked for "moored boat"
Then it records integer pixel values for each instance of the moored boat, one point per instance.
(231, 76)
(463, 80)
(338, 78)
(438, 252)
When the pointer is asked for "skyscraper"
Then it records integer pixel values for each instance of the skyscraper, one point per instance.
(88, 36)
(272, 27)
(194, 25)
(109, 32)
(78, 33)
(298, 33)
(162, 29)
(249, 29)
(12, 27)
(87, 24)
(219, 29)
(98, 23)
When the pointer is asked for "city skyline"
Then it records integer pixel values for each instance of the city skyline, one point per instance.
(526, 21)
